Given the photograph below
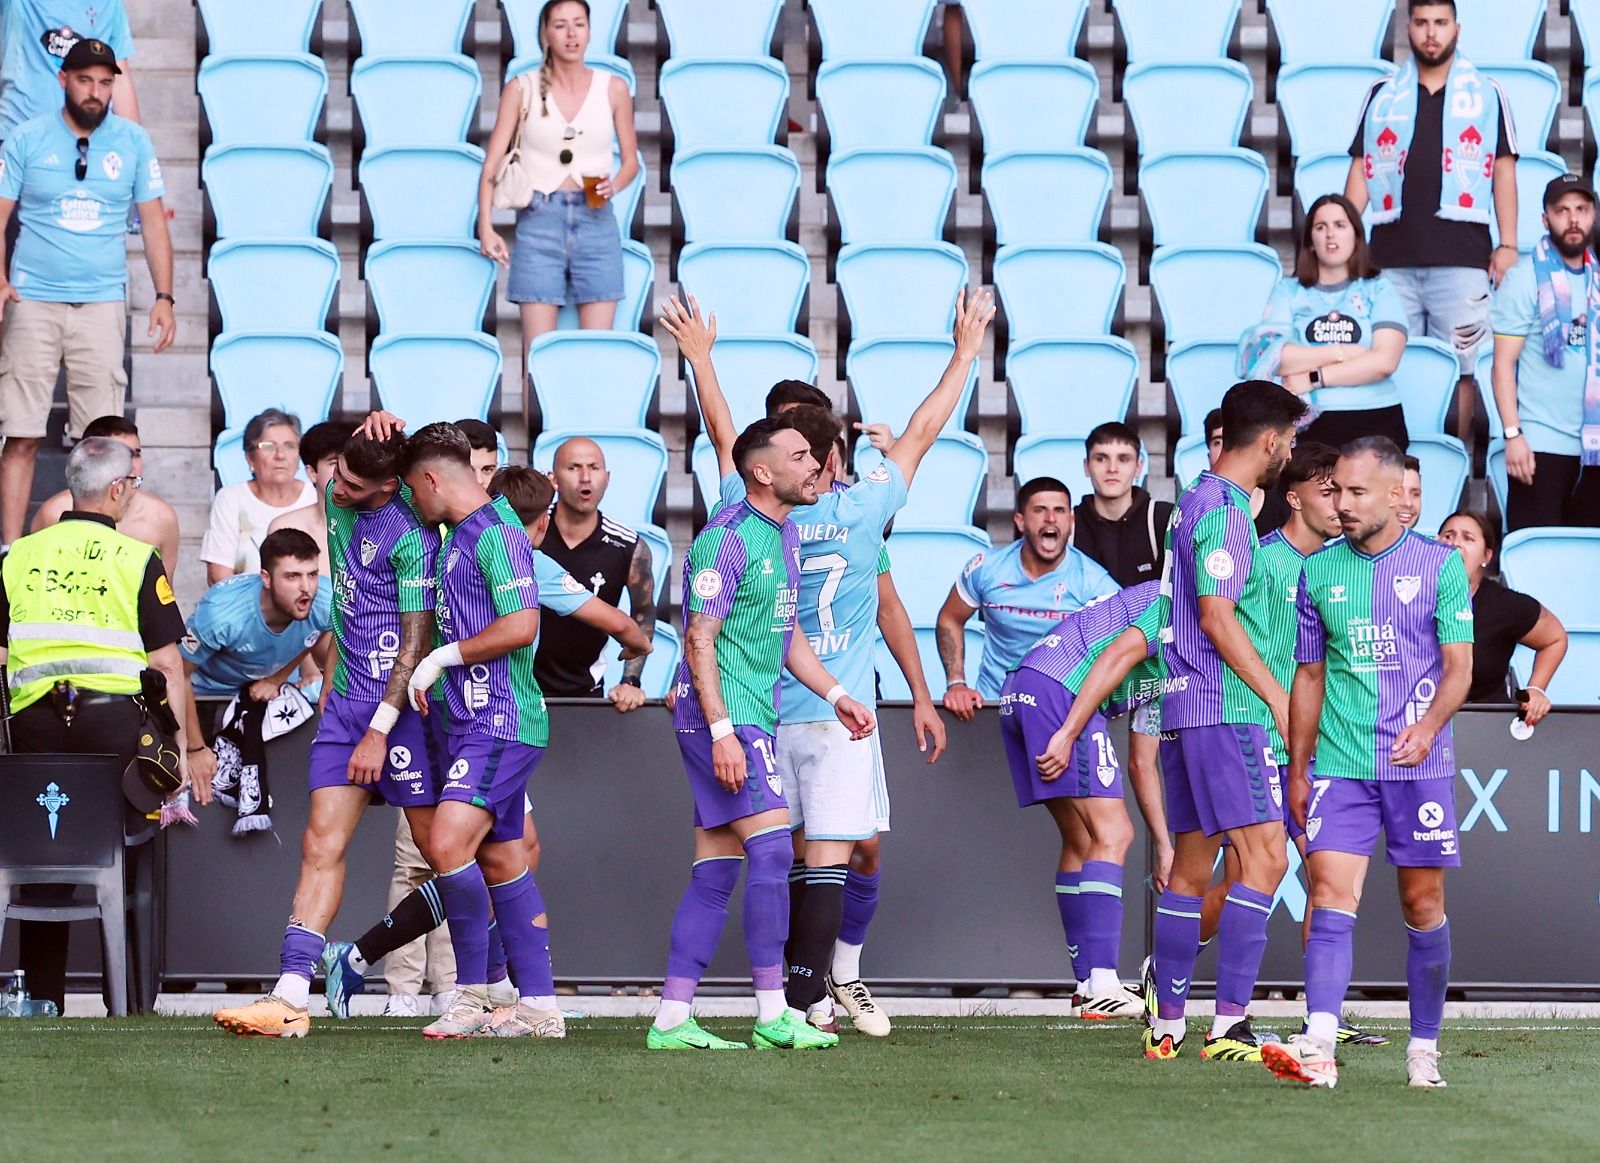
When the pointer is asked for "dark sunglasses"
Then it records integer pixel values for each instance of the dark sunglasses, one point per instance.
(564, 157)
(82, 168)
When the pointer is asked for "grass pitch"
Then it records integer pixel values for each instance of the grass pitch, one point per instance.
(958, 1089)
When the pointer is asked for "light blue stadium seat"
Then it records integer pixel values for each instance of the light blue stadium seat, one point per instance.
(735, 195)
(1204, 197)
(890, 377)
(227, 457)
(1498, 30)
(660, 667)
(284, 26)
(1495, 470)
(849, 28)
(1066, 387)
(415, 100)
(422, 192)
(1041, 198)
(1307, 35)
(1427, 377)
(901, 288)
(596, 379)
(926, 563)
(1212, 292)
(1189, 459)
(605, 62)
(409, 371)
(1577, 683)
(296, 371)
(1445, 467)
(707, 478)
(1034, 105)
(638, 281)
(411, 26)
(891, 195)
(1024, 29)
(710, 28)
(1176, 30)
(1059, 291)
(880, 104)
(1485, 382)
(625, 202)
(1323, 173)
(748, 365)
(267, 191)
(1535, 170)
(719, 103)
(605, 22)
(273, 285)
(265, 98)
(637, 461)
(1199, 373)
(1557, 567)
(947, 483)
(1320, 103)
(1189, 105)
(1534, 93)
(753, 287)
(1586, 23)
(429, 285)
(892, 684)
(1061, 457)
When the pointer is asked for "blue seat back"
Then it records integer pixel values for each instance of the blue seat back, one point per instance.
(427, 378)
(748, 365)
(1307, 36)
(1485, 382)
(926, 563)
(660, 667)
(922, 181)
(284, 26)
(1577, 683)
(735, 195)
(1321, 103)
(625, 202)
(1024, 29)
(1189, 459)
(638, 282)
(599, 379)
(880, 104)
(265, 98)
(637, 461)
(711, 28)
(753, 287)
(1426, 378)
(415, 100)
(1323, 173)
(707, 478)
(892, 683)
(1066, 387)
(411, 26)
(1499, 29)
(947, 483)
(1445, 467)
(662, 562)
(429, 285)
(1061, 457)
(267, 191)
(722, 102)
(1535, 169)
(606, 63)
(1534, 93)
(1556, 566)
(1033, 104)
(422, 192)
(1176, 30)
(1495, 470)
(901, 288)
(281, 285)
(890, 377)
(1059, 291)
(1204, 197)
(1212, 292)
(1078, 182)
(882, 28)
(296, 371)
(1586, 23)
(605, 22)
(1199, 373)
(1188, 106)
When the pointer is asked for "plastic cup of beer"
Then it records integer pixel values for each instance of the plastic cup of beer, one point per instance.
(591, 190)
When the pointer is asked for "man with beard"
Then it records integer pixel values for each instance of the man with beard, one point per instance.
(72, 176)
(1547, 367)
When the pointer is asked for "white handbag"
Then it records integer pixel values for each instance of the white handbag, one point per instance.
(513, 185)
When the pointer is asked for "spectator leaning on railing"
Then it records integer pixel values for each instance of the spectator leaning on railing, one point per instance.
(241, 514)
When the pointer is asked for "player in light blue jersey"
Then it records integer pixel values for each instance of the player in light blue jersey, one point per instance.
(834, 786)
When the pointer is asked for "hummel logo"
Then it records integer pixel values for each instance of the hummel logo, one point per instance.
(1072, 950)
(1179, 984)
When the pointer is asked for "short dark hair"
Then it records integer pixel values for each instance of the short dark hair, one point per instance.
(527, 490)
(1212, 422)
(1113, 432)
(479, 435)
(1386, 450)
(786, 392)
(821, 427)
(374, 460)
(434, 442)
(756, 438)
(1415, 4)
(294, 544)
(1312, 461)
(323, 440)
(1412, 464)
(109, 426)
(1489, 529)
(1256, 406)
(1360, 266)
(1040, 485)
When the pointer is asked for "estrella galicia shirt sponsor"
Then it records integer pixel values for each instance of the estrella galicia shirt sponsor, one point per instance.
(1350, 312)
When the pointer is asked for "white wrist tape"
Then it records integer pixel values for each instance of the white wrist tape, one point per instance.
(721, 729)
(384, 718)
(835, 693)
(448, 654)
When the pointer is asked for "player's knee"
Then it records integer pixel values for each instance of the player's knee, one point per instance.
(864, 859)
(1422, 905)
(1326, 895)
(531, 849)
(1266, 868)
(1113, 838)
(322, 847)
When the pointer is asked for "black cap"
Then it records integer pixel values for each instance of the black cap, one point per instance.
(1567, 184)
(89, 52)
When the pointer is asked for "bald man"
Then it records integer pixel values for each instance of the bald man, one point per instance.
(604, 555)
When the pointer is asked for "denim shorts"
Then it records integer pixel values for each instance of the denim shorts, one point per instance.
(565, 252)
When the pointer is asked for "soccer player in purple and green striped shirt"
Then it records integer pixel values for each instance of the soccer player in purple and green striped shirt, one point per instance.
(1385, 660)
(1219, 700)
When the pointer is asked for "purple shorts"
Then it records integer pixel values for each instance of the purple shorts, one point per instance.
(491, 774)
(1418, 819)
(1220, 777)
(1032, 708)
(715, 805)
(410, 770)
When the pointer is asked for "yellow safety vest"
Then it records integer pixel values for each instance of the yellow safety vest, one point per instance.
(73, 590)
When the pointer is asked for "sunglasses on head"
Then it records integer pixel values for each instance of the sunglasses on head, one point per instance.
(81, 169)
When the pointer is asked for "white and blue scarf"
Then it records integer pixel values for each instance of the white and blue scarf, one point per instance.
(1553, 282)
(1471, 133)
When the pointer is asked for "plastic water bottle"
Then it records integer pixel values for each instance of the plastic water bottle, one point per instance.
(15, 1002)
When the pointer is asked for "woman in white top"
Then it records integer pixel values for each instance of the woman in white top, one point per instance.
(242, 513)
(572, 117)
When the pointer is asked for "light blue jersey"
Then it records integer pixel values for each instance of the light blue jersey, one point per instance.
(841, 555)
(73, 246)
(230, 644)
(559, 591)
(35, 37)
(1351, 312)
(1549, 399)
(1018, 610)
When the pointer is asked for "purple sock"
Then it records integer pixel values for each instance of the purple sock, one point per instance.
(766, 904)
(860, 902)
(697, 928)
(466, 910)
(1330, 954)
(1241, 942)
(300, 952)
(1177, 941)
(1070, 905)
(1100, 903)
(520, 905)
(1427, 977)
(497, 952)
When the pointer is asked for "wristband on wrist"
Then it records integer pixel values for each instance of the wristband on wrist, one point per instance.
(955, 682)
(203, 747)
(835, 693)
(1540, 689)
(721, 729)
(384, 718)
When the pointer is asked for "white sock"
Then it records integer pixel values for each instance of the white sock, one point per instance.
(1429, 1044)
(673, 1014)
(1103, 982)
(1222, 1023)
(502, 993)
(823, 1010)
(770, 1005)
(846, 962)
(539, 1001)
(294, 989)
(1323, 1027)
(1173, 1027)
(358, 962)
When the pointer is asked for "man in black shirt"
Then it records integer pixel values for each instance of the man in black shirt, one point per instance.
(1435, 155)
(1118, 524)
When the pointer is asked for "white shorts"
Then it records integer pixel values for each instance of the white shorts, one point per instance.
(1147, 719)
(834, 784)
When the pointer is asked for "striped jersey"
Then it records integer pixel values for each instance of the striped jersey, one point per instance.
(1378, 623)
(486, 571)
(383, 562)
(1276, 616)
(1069, 652)
(1211, 544)
(744, 569)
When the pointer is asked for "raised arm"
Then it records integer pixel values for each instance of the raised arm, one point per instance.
(972, 320)
(895, 626)
(695, 335)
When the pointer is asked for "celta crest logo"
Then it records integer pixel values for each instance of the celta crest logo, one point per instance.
(52, 800)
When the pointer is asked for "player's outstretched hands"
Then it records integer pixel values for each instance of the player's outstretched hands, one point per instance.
(962, 701)
(1412, 746)
(856, 717)
(692, 332)
(926, 725)
(380, 425)
(973, 315)
(1057, 754)
(880, 436)
(728, 762)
